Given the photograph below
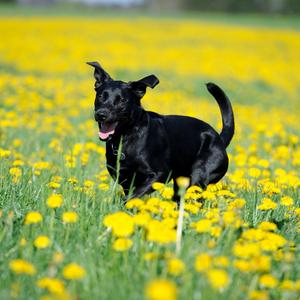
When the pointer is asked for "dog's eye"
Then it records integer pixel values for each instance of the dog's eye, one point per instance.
(119, 99)
(103, 96)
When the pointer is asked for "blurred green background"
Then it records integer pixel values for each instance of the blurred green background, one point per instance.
(250, 6)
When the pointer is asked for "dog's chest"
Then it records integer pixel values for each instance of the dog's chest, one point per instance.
(122, 158)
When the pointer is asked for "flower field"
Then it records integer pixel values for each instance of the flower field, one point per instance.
(65, 232)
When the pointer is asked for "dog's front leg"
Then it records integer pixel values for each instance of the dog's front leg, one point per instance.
(146, 186)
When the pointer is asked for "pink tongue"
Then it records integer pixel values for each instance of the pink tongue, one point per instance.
(106, 130)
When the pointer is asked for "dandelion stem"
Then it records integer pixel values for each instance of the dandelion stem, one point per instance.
(67, 235)
(118, 169)
(254, 214)
(180, 224)
(52, 222)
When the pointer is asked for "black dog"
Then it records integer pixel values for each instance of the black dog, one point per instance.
(157, 148)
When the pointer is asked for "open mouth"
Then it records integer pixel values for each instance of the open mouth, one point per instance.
(106, 130)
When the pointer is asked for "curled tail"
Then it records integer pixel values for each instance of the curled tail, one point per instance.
(226, 112)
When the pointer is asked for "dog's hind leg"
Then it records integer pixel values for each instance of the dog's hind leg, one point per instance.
(199, 175)
(209, 171)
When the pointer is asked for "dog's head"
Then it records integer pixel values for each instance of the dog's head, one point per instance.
(116, 101)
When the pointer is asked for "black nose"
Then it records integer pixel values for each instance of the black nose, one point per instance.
(100, 116)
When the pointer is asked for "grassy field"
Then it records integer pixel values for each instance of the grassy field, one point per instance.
(64, 231)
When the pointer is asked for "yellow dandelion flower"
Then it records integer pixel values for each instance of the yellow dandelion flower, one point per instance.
(41, 165)
(215, 231)
(270, 188)
(287, 285)
(267, 204)
(229, 217)
(73, 271)
(150, 256)
(268, 281)
(58, 257)
(160, 233)
(103, 186)
(183, 182)
(4, 153)
(88, 184)
(141, 219)
(193, 192)
(42, 242)
(272, 242)
(53, 285)
(221, 261)
(237, 203)
(33, 217)
(23, 242)
(70, 217)
(254, 172)
(287, 201)
(259, 295)
(134, 203)
(53, 185)
(70, 161)
(15, 172)
(297, 284)
(253, 234)
(175, 266)
(211, 244)
(208, 195)
(246, 250)
(267, 226)
(242, 265)
(57, 178)
(20, 266)
(167, 193)
(153, 201)
(203, 226)
(84, 158)
(218, 278)
(103, 177)
(192, 208)
(18, 162)
(157, 186)
(17, 143)
(226, 194)
(214, 187)
(121, 223)
(261, 263)
(161, 289)
(122, 244)
(55, 200)
(169, 222)
(73, 180)
(203, 262)
(37, 172)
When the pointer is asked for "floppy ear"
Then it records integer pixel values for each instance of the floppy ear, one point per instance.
(139, 87)
(100, 75)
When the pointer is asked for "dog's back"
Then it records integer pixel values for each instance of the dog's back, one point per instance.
(186, 138)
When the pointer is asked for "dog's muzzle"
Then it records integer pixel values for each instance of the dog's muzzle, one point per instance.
(101, 115)
(106, 130)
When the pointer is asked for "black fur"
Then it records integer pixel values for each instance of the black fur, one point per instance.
(157, 148)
